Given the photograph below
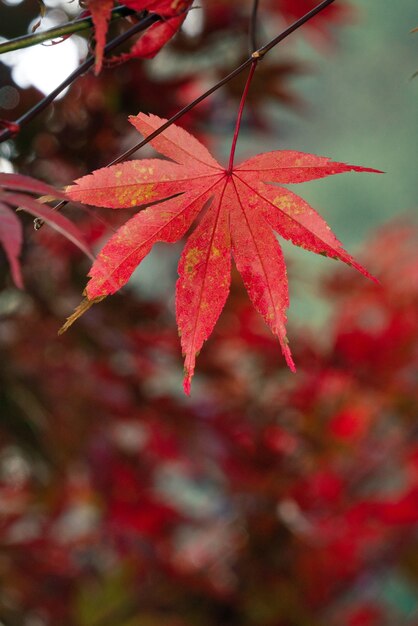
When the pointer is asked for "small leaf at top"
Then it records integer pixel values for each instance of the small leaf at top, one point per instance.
(100, 12)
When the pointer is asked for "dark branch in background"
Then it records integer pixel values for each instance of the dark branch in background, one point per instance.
(59, 31)
(288, 31)
(82, 69)
(253, 27)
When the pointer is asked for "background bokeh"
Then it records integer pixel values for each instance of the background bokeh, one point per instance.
(267, 498)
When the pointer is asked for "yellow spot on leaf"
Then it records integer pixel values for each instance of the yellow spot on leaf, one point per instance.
(134, 196)
(193, 257)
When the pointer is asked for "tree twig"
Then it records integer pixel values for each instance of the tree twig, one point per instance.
(288, 31)
(253, 27)
(25, 41)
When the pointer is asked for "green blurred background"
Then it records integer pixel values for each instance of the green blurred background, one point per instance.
(361, 107)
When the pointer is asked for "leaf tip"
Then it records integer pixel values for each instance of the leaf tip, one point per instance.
(363, 271)
(18, 281)
(187, 383)
(366, 170)
(98, 62)
(188, 371)
(17, 274)
(287, 354)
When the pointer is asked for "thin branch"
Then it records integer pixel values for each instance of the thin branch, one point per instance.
(253, 27)
(25, 41)
(288, 31)
(82, 69)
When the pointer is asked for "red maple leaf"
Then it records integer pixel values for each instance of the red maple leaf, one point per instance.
(173, 13)
(100, 13)
(239, 221)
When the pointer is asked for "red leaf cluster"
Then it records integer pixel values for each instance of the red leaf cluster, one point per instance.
(268, 500)
(173, 11)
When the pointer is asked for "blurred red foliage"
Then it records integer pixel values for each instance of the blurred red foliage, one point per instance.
(270, 499)
(267, 500)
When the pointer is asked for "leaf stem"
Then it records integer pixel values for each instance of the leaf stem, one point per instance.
(25, 41)
(239, 116)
